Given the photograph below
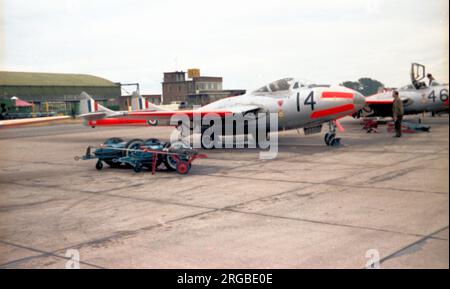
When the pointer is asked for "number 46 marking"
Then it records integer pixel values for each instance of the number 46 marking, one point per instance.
(443, 95)
(308, 101)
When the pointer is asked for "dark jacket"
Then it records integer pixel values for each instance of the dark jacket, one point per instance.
(397, 107)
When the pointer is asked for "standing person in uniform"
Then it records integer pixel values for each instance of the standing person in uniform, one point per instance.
(397, 113)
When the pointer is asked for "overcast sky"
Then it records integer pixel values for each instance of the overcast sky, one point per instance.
(248, 43)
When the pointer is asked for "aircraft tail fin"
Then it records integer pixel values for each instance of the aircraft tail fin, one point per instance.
(88, 106)
(138, 103)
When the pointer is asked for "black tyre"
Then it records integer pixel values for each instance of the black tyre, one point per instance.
(99, 165)
(159, 161)
(113, 140)
(326, 139)
(335, 142)
(113, 164)
(134, 144)
(329, 138)
(169, 161)
(170, 165)
(152, 141)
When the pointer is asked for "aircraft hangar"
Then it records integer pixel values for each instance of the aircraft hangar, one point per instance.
(59, 91)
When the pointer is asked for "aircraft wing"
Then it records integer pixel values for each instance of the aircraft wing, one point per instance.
(383, 107)
(243, 109)
(93, 115)
(164, 117)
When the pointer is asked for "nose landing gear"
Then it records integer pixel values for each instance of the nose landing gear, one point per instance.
(332, 140)
(330, 137)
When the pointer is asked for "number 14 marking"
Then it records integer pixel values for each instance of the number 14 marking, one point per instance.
(308, 101)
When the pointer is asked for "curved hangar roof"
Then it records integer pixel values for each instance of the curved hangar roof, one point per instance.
(56, 87)
(9, 78)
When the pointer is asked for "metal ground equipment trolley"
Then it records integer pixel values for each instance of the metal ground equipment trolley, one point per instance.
(139, 154)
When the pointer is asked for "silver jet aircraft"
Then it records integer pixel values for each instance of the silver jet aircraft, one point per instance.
(418, 97)
(296, 104)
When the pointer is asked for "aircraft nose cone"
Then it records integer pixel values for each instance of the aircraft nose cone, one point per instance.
(359, 100)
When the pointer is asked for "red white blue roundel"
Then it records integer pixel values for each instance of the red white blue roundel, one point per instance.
(152, 121)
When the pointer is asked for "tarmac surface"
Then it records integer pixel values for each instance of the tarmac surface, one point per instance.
(312, 207)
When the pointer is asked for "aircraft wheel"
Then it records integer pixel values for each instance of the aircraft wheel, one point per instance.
(99, 165)
(328, 138)
(335, 142)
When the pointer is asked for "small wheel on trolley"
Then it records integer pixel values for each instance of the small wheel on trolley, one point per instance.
(99, 165)
(183, 167)
(170, 161)
(113, 163)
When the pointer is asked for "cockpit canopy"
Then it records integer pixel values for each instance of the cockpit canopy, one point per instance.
(285, 84)
(277, 85)
(425, 85)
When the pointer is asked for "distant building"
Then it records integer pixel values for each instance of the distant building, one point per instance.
(176, 88)
(153, 98)
(197, 90)
(59, 91)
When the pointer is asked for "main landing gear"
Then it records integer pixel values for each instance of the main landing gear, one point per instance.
(330, 137)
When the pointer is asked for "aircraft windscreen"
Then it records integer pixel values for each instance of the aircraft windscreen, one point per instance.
(407, 87)
(318, 85)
